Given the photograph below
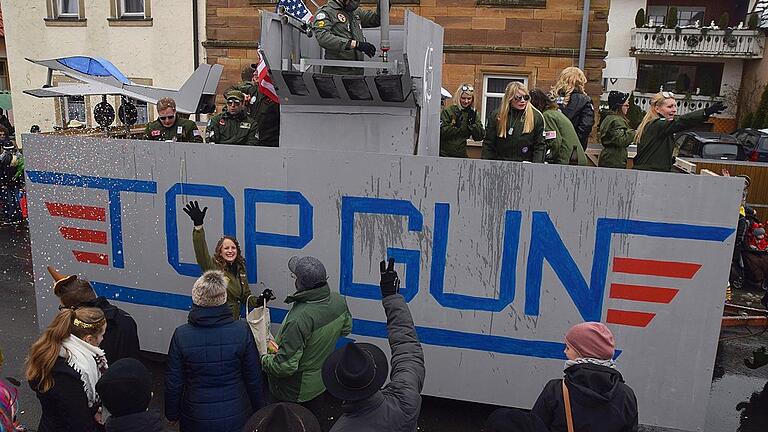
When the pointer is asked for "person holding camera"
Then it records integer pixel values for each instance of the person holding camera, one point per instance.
(458, 122)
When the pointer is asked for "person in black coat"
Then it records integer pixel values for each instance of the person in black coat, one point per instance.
(213, 381)
(126, 390)
(573, 101)
(600, 400)
(63, 367)
(122, 338)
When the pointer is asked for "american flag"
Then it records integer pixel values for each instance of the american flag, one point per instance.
(296, 9)
(266, 86)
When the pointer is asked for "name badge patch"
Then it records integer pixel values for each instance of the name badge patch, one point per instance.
(245, 125)
(550, 135)
(155, 133)
(179, 130)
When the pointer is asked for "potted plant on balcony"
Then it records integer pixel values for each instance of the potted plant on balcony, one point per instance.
(725, 20)
(671, 20)
(640, 18)
(753, 22)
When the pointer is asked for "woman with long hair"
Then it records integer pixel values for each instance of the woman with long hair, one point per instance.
(615, 133)
(563, 146)
(458, 122)
(227, 257)
(516, 130)
(63, 367)
(655, 136)
(569, 94)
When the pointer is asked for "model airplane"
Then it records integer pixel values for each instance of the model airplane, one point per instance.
(100, 77)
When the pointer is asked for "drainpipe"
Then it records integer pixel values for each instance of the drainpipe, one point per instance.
(195, 41)
(584, 35)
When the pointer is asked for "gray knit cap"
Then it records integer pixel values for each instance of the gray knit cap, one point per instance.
(309, 272)
(210, 289)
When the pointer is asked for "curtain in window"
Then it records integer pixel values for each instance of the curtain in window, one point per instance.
(133, 6)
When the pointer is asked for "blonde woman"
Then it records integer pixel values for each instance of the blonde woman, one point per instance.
(63, 367)
(458, 122)
(570, 96)
(516, 130)
(655, 135)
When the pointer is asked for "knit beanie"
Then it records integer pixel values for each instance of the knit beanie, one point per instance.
(513, 420)
(616, 99)
(591, 340)
(283, 417)
(309, 271)
(210, 289)
(125, 388)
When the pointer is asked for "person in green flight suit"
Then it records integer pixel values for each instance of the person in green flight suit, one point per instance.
(515, 132)
(338, 26)
(615, 133)
(458, 122)
(563, 144)
(265, 111)
(169, 126)
(233, 126)
(655, 137)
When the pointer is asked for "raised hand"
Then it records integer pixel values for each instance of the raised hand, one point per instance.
(192, 209)
(390, 282)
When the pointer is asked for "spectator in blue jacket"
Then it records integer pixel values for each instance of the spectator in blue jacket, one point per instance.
(213, 382)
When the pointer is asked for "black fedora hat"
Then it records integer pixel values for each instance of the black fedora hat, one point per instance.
(355, 371)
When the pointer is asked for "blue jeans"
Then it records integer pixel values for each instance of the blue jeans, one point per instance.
(11, 209)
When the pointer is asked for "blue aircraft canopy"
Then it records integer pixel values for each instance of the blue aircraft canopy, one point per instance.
(94, 66)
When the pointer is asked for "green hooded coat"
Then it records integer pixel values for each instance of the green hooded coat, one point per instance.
(562, 139)
(335, 28)
(656, 146)
(455, 129)
(615, 136)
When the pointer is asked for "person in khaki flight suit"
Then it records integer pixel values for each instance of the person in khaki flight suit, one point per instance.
(338, 27)
(233, 126)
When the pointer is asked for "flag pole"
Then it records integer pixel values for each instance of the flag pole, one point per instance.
(316, 5)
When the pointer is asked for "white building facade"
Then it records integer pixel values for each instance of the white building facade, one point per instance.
(151, 42)
(700, 58)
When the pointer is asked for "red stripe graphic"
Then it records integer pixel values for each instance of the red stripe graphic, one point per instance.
(91, 257)
(83, 235)
(643, 293)
(629, 318)
(670, 269)
(76, 211)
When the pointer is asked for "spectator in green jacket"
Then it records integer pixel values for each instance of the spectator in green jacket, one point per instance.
(655, 135)
(458, 122)
(615, 133)
(516, 130)
(317, 319)
(563, 145)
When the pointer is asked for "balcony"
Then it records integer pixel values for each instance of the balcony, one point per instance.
(685, 104)
(690, 42)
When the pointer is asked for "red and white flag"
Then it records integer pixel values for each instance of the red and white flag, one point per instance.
(266, 86)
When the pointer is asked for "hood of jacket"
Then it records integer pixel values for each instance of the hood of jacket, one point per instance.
(143, 421)
(101, 302)
(594, 382)
(216, 316)
(310, 295)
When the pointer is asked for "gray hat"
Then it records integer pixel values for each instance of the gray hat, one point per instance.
(309, 271)
(210, 289)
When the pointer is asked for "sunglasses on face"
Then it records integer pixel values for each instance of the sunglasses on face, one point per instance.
(233, 102)
(165, 118)
(467, 88)
(519, 98)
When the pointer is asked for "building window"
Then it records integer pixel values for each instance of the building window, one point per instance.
(142, 111)
(683, 78)
(493, 91)
(68, 8)
(74, 109)
(686, 15)
(4, 85)
(65, 12)
(131, 8)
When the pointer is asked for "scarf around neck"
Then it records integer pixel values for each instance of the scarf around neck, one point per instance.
(607, 363)
(89, 361)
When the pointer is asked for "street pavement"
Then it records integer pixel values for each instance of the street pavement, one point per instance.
(738, 399)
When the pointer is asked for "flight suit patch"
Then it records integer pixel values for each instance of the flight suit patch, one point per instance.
(245, 125)
(222, 122)
(320, 16)
(156, 133)
(320, 24)
(179, 130)
(341, 17)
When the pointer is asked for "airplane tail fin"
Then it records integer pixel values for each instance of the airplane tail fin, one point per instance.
(198, 93)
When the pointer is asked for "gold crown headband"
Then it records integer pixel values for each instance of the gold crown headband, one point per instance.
(85, 325)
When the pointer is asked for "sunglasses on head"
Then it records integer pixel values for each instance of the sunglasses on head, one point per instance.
(467, 88)
(234, 102)
(164, 118)
(668, 94)
(519, 98)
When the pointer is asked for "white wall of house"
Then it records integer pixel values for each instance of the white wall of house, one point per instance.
(161, 53)
(621, 20)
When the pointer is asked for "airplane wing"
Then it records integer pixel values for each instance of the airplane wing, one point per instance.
(75, 90)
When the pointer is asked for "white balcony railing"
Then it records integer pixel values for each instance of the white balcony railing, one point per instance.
(685, 104)
(691, 42)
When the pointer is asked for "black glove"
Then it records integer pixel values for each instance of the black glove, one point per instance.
(366, 48)
(715, 108)
(471, 115)
(390, 283)
(265, 296)
(192, 209)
